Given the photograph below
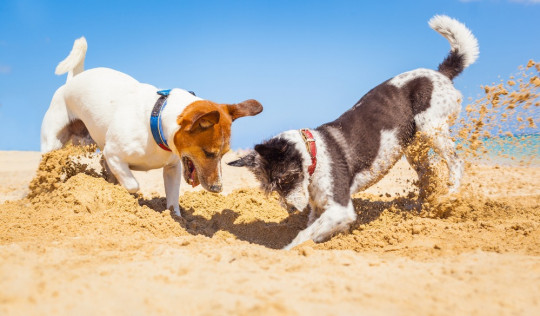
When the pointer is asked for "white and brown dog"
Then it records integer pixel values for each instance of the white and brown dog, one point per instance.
(140, 128)
(320, 169)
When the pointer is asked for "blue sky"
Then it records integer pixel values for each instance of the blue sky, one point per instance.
(305, 61)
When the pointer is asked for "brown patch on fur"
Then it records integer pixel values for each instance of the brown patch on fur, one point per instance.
(204, 136)
(247, 108)
(205, 128)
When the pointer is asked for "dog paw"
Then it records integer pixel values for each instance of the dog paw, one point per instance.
(175, 210)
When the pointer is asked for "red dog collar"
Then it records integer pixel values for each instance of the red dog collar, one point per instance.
(311, 148)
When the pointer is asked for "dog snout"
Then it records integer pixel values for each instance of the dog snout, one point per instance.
(216, 188)
(290, 208)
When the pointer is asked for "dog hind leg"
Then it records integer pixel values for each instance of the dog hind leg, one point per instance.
(434, 125)
(444, 146)
(55, 130)
(441, 142)
(417, 154)
(79, 134)
(335, 219)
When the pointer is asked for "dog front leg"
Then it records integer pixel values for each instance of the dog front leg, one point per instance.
(121, 171)
(313, 214)
(171, 178)
(335, 219)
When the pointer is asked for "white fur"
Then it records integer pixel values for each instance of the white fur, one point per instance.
(74, 63)
(322, 181)
(433, 123)
(335, 217)
(460, 37)
(115, 109)
(317, 188)
(405, 77)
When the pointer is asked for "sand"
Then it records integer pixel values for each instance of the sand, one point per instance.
(86, 246)
(72, 242)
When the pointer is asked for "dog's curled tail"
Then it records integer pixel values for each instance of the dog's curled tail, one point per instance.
(464, 46)
(74, 63)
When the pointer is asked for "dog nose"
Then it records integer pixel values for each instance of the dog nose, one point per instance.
(216, 188)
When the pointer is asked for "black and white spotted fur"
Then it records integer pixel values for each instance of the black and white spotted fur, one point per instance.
(359, 148)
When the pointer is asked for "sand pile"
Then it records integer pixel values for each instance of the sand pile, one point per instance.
(245, 214)
(451, 227)
(66, 204)
(70, 198)
(83, 205)
(402, 225)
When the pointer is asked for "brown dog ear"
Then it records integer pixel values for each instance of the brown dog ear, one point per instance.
(200, 121)
(246, 108)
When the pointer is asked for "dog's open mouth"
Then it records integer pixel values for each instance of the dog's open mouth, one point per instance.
(190, 172)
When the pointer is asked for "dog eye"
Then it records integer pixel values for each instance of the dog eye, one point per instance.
(210, 155)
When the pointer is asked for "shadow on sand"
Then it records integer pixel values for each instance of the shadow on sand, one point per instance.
(274, 235)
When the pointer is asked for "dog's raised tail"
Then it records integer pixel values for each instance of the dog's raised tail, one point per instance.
(74, 63)
(464, 46)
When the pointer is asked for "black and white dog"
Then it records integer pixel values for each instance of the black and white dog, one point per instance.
(320, 169)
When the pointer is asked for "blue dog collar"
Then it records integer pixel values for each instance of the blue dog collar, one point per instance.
(155, 120)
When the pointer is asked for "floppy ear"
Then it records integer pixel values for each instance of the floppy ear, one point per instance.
(246, 161)
(264, 150)
(246, 108)
(271, 151)
(200, 121)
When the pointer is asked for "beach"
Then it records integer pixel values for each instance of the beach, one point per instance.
(84, 246)
(317, 99)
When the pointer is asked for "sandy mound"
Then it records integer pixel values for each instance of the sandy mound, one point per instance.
(78, 239)
(70, 199)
